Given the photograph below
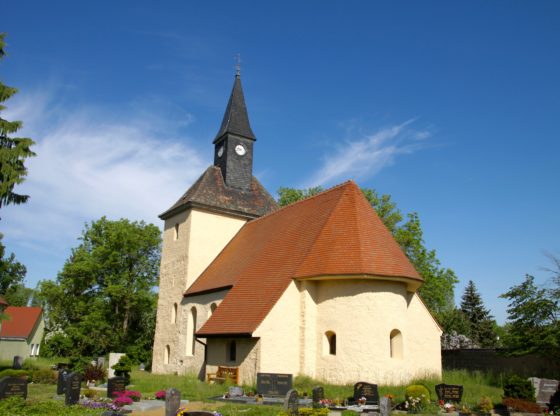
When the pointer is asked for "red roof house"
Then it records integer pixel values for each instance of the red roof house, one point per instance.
(21, 333)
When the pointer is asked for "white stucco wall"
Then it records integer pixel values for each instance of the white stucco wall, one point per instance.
(201, 237)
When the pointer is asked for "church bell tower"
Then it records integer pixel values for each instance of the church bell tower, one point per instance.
(233, 145)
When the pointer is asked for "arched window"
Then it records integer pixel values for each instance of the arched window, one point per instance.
(176, 234)
(396, 344)
(174, 314)
(166, 354)
(191, 329)
(213, 307)
(232, 351)
(330, 343)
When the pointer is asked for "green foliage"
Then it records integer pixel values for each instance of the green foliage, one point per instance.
(484, 405)
(78, 364)
(533, 325)
(439, 282)
(308, 411)
(418, 391)
(103, 299)
(480, 325)
(12, 274)
(44, 376)
(13, 150)
(9, 372)
(57, 345)
(519, 388)
(123, 368)
(16, 406)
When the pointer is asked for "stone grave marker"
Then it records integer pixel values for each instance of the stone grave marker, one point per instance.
(385, 406)
(13, 386)
(18, 362)
(273, 384)
(101, 361)
(61, 384)
(72, 390)
(318, 394)
(367, 390)
(291, 403)
(546, 389)
(115, 384)
(449, 392)
(172, 401)
(235, 391)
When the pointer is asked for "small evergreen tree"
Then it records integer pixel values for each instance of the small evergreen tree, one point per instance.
(13, 150)
(480, 322)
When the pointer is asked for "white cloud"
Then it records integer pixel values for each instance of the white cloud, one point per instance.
(90, 164)
(367, 155)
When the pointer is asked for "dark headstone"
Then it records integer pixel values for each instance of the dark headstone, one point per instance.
(13, 386)
(449, 392)
(61, 384)
(115, 384)
(367, 390)
(72, 391)
(172, 401)
(235, 391)
(318, 394)
(545, 390)
(385, 406)
(273, 384)
(18, 363)
(291, 403)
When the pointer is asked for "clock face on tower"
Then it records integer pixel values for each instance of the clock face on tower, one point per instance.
(240, 150)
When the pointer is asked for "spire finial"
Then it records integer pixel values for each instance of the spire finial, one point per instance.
(237, 65)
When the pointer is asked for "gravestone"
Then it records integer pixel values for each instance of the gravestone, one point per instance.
(13, 386)
(545, 390)
(142, 367)
(385, 406)
(318, 394)
(273, 384)
(172, 401)
(449, 392)
(18, 362)
(101, 361)
(235, 391)
(367, 390)
(115, 384)
(291, 403)
(114, 358)
(72, 390)
(61, 384)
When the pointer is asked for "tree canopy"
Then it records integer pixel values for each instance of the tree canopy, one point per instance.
(103, 299)
(439, 282)
(12, 275)
(480, 324)
(13, 150)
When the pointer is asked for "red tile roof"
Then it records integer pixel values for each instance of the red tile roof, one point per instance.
(335, 233)
(21, 322)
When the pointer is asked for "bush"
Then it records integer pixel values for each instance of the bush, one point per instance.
(418, 391)
(519, 388)
(485, 405)
(79, 364)
(123, 368)
(308, 411)
(44, 376)
(94, 372)
(519, 405)
(58, 345)
(14, 373)
(90, 394)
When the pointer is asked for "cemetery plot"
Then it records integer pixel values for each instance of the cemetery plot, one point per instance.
(367, 391)
(273, 384)
(13, 386)
(72, 390)
(115, 384)
(449, 392)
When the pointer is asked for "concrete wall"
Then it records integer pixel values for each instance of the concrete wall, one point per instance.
(201, 236)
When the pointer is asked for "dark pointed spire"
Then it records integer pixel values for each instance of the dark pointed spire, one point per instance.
(236, 120)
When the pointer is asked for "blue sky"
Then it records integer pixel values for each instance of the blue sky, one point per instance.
(450, 107)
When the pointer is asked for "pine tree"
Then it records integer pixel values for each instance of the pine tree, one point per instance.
(480, 322)
(13, 150)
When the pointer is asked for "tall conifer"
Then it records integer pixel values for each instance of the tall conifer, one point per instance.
(479, 320)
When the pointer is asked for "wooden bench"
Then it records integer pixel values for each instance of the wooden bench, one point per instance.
(223, 374)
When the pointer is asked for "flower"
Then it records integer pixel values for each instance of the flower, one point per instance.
(160, 395)
(182, 411)
(122, 401)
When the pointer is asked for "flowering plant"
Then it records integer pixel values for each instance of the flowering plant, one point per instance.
(390, 396)
(121, 401)
(182, 411)
(362, 400)
(160, 395)
(414, 404)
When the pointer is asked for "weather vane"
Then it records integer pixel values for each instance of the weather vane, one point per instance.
(237, 64)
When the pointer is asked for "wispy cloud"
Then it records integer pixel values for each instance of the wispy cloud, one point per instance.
(92, 163)
(366, 155)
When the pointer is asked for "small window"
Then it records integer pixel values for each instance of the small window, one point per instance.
(191, 329)
(232, 351)
(166, 354)
(176, 235)
(32, 350)
(174, 314)
(330, 344)
(213, 307)
(396, 344)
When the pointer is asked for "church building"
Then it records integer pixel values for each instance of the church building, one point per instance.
(317, 288)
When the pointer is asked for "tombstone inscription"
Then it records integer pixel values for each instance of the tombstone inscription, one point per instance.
(545, 390)
(72, 390)
(172, 401)
(274, 384)
(368, 391)
(115, 384)
(61, 384)
(291, 403)
(13, 386)
(449, 392)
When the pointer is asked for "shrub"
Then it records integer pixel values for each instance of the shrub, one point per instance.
(418, 396)
(519, 388)
(160, 395)
(14, 373)
(44, 376)
(485, 405)
(519, 405)
(123, 368)
(90, 394)
(95, 372)
(121, 401)
(79, 364)
(308, 411)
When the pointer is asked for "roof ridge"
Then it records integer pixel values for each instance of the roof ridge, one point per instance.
(308, 198)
